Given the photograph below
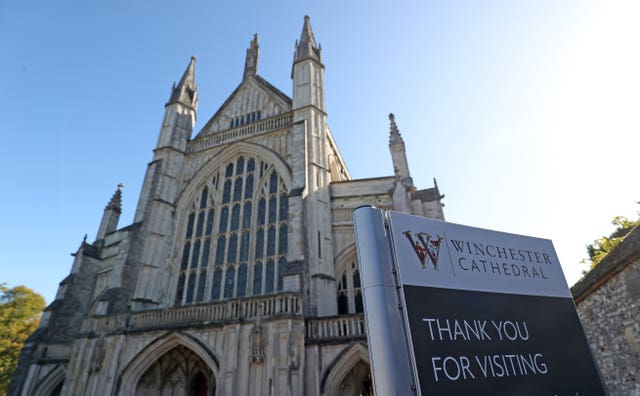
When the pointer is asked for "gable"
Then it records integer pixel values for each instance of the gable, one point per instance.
(254, 99)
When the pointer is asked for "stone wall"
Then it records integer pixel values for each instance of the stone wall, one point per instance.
(608, 303)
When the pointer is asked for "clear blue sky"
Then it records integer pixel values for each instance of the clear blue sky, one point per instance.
(525, 111)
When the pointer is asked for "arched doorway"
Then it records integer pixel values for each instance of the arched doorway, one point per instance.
(178, 372)
(349, 374)
(357, 382)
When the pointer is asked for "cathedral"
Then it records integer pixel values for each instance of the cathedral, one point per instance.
(239, 273)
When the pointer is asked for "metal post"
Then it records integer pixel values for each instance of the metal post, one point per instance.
(388, 346)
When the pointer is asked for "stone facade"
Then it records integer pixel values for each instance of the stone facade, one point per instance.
(239, 273)
(608, 303)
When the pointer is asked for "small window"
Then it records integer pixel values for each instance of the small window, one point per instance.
(240, 166)
(196, 254)
(261, 210)
(200, 224)
(217, 281)
(282, 239)
(237, 189)
(235, 217)
(248, 188)
(226, 195)
(244, 246)
(259, 242)
(228, 283)
(192, 218)
(273, 202)
(242, 281)
(220, 250)
(273, 183)
(205, 253)
(257, 279)
(233, 248)
(224, 214)
(201, 283)
(203, 198)
(191, 287)
(185, 256)
(246, 215)
(210, 222)
(269, 284)
(180, 290)
(271, 241)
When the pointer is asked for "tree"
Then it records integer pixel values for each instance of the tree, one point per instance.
(602, 246)
(20, 309)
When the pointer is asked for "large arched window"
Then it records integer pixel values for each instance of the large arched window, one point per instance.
(349, 290)
(235, 236)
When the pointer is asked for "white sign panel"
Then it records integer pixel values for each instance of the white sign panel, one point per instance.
(439, 254)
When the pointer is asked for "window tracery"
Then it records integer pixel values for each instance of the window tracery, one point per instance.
(229, 249)
(349, 290)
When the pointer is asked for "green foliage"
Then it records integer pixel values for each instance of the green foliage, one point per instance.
(602, 246)
(20, 309)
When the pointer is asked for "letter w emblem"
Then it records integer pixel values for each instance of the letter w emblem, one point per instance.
(425, 248)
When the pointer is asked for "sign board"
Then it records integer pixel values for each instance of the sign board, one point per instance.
(487, 313)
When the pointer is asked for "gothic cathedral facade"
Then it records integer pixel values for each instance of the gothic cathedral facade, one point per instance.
(239, 274)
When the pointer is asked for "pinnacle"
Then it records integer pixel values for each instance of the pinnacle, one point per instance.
(116, 200)
(394, 133)
(251, 61)
(306, 47)
(185, 91)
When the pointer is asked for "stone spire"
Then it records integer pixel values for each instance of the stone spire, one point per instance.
(394, 133)
(111, 214)
(307, 47)
(186, 92)
(251, 63)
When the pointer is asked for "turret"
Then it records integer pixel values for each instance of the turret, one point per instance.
(175, 132)
(308, 71)
(148, 273)
(311, 139)
(111, 214)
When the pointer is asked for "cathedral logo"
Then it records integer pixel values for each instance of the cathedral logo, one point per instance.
(428, 248)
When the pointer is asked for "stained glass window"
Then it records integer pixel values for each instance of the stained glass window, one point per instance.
(250, 248)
